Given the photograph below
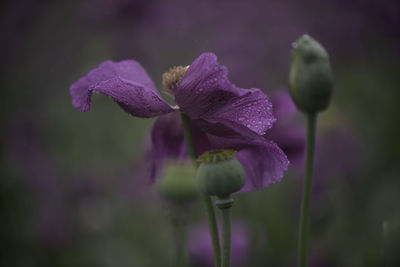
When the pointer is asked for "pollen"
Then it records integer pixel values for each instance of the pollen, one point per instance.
(171, 79)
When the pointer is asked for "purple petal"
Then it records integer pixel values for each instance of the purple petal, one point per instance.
(264, 162)
(167, 142)
(263, 165)
(205, 93)
(127, 83)
(225, 128)
(200, 140)
(133, 97)
(204, 87)
(252, 110)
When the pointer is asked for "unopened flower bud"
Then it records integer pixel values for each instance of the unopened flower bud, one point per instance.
(177, 183)
(310, 78)
(220, 174)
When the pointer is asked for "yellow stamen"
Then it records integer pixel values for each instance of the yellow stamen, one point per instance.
(171, 79)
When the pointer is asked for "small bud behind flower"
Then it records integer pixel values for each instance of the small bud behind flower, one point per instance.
(220, 174)
(310, 78)
(177, 183)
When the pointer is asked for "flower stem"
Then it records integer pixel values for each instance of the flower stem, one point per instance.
(226, 237)
(225, 206)
(305, 205)
(213, 228)
(188, 139)
(179, 230)
(212, 221)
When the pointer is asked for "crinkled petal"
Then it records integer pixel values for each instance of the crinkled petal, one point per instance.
(167, 142)
(204, 87)
(127, 83)
(133, 97)
(264, 162)
(222, 128)
(205, 93)
(252, 110)
(263, 165)
(225, 128)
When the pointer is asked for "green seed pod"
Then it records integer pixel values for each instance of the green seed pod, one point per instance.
(220, 174)
(177, 183)
(310, 78)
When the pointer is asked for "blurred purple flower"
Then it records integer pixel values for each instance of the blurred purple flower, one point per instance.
(286, 132)
(222, 115)
(200, 249)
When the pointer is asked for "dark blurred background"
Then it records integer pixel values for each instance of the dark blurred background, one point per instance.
(74, 190)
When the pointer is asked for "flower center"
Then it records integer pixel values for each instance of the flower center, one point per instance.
(171, 79)
(214, 156)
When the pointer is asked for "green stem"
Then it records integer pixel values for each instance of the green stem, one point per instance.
(188, 139)
(213, 228)
(212, 221)
(179, 229)
(305, 205)
(225, 207)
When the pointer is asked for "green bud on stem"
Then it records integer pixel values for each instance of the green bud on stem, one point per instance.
(310, 78)
(177, 183)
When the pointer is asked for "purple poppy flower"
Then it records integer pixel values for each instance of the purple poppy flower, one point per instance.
(200, 249)
(222, 115)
